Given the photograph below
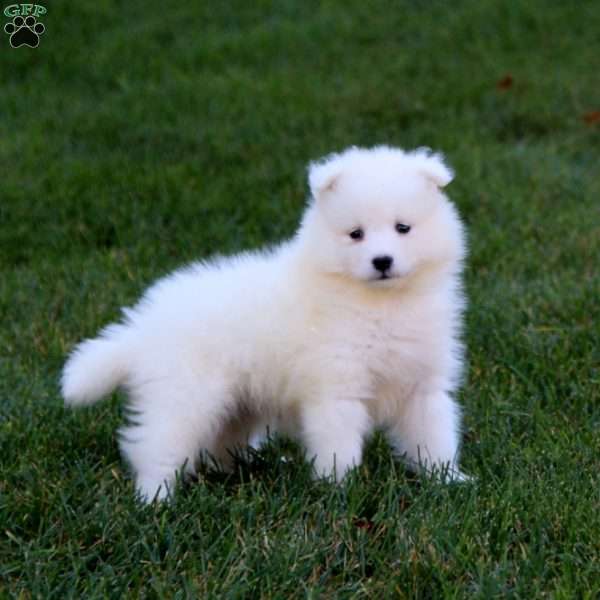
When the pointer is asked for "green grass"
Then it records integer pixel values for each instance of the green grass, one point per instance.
(140, 135)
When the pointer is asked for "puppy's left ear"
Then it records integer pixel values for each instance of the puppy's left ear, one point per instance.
(324, 174)
(433, 167)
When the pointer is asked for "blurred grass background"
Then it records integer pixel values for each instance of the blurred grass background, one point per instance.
(139, 136)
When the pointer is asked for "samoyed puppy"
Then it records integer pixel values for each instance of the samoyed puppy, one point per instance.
(351, 325)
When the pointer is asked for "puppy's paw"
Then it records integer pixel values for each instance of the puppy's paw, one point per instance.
(456, 476)
(332, 469)
(152, 490)
(445, 473)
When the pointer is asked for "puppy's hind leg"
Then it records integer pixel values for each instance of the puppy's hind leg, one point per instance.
(172, 422)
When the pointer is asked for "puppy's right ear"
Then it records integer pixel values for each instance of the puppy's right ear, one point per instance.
(433, 167)
(324, 175)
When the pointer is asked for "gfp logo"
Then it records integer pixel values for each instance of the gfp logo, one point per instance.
(25, 29)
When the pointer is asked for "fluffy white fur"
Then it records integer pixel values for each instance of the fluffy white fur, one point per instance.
(308, 338)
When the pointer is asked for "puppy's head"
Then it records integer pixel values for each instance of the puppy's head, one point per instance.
(379, 215)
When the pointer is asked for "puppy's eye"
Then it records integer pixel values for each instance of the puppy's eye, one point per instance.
(357, 234)
(402, 228)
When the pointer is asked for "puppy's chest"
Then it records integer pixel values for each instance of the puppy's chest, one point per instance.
(388, 344)
(385, 344)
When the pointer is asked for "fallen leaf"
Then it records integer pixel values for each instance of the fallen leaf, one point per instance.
(592, 117)
(505, 83)
(365, 524)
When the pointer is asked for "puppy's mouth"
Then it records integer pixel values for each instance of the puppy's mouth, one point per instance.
(389, 277)
(384, 277)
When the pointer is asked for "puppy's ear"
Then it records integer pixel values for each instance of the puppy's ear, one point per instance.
(324, 174)
(433, 167)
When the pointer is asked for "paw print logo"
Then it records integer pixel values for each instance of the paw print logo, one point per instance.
(24, 32)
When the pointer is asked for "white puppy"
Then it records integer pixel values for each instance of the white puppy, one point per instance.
(351, 325)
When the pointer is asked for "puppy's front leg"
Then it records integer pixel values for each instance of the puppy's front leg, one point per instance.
(333, 432)
(426, 432)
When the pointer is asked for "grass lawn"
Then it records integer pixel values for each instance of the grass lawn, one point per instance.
(139, 136)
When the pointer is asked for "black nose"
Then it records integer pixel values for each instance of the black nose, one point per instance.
(382, 263)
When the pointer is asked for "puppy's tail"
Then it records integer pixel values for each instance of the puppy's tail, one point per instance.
(96, 367)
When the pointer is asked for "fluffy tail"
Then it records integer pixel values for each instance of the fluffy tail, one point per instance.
(95, 368)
